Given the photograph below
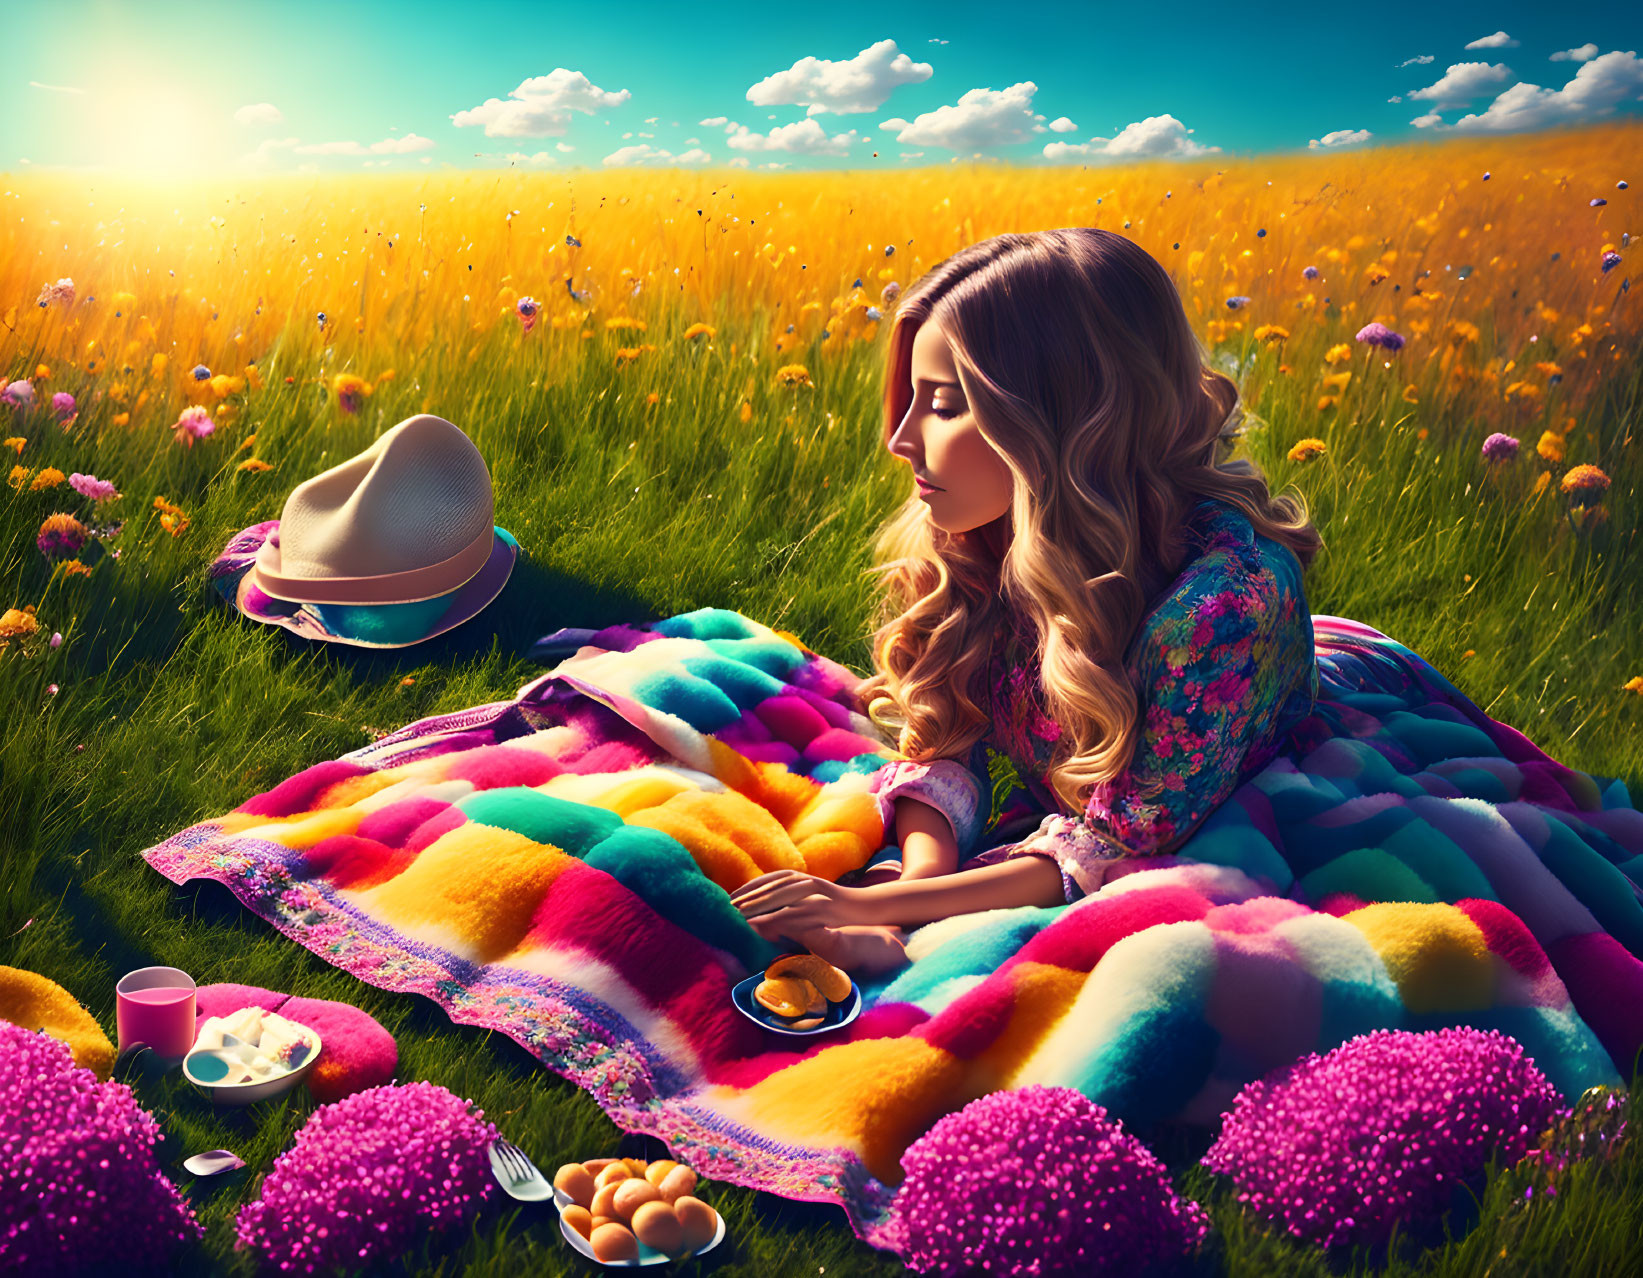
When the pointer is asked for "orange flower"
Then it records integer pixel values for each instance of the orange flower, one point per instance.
(1460, 332)
(793, 375)
(1307, 450)
(254, 464)
(746, 413)
(156, 366)
(1550, 446)
(122, 419)
(1541, 483)
(1338, 381)
(700, 330)
(1326, 402)
(49, 477)
(627, 354)
(74, 568)
(15, 443)
(14, 623)
(652, 398)
(624, 321)
(1586, 481)
(1410, 394)
(1337, 353)
(42, 373)
(1631, 685)
(172, 518)
(18, 477)
(1271, 333)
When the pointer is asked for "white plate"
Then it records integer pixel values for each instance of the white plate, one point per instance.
(647, 1255)
(257, 1089)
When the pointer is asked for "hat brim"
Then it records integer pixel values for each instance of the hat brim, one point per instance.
(310, 621)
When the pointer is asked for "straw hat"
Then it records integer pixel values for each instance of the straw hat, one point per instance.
(389, 548)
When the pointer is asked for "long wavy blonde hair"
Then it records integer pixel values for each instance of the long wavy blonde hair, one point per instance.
(1082, 371)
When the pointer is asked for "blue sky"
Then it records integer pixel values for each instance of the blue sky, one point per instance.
(171, 88)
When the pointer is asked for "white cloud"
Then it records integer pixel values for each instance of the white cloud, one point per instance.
(1340, 137)
(1500, 40)
(55, 88)
(258, 113)
(933, 40)
(844, 88)
(712, 121)
(1464, 81)
(563, 146)
(388, 146)
(519, 157)
(775, 164)
(1396, 97)
(1420, 60)
(981, 118)
(1427, 121)
(645, 153)
(263, 156)
(1061, 124)
(738, 162)
(803, 137)
(541, 106)
(1597, 88)
(651, 119)
(912, 155)
(1154, 137)
(1583, 53)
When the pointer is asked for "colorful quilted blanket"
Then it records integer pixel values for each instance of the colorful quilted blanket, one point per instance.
(556, 867)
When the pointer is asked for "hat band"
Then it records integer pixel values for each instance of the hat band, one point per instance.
(410, 586)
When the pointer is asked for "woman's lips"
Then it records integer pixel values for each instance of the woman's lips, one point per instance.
(925, 488)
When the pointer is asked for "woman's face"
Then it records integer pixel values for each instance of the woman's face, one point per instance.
(969, 483)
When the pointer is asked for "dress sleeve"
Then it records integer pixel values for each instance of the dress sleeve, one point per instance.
(1220, 666)
(959, 789)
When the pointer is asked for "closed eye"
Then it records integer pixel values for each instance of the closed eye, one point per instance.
(947, 414)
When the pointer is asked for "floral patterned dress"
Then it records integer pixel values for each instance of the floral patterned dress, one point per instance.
(1226, 663)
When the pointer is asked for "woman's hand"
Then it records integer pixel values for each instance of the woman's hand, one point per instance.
(785, 902)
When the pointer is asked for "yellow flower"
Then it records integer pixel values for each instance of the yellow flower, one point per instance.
(624, 321)
(1550, 446)
(172, 518)
(1541, 483)
(1271, 333)
(18, 477)
(1588, 481)
(1460, 332)
(1338, 381)
(122, 419)
(253, 377)
(746, 413)
(1337, 353)
(351, 390)
(42, 373)
(1306, 450)
(119, 393)
(15, 443)
(49, 477)
(1523, 390)
(652, 398)
(386, 376)
(1470, 652)
(1410, 394)
(1326, 402)
(74, 568)
(700, 330)
(1631, 685)
(627, 354)
(223, 385)
(255, 464)
(793, 375)
(14, 623)
(156, 366)
(1548, 368)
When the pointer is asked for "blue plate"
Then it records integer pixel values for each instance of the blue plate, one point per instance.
(837, 1014)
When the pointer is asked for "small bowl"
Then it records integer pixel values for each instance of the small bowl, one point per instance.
(837, 1014)
(258, 1089)
(647, 1255)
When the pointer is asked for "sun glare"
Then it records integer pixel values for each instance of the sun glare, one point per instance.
(157, 131)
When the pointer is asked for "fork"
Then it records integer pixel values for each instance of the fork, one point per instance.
(517, 1175)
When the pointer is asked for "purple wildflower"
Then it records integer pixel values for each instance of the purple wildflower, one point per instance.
(56, 638)
(527, 310)
(193, 423)
(1034, 1180)
(1499, 448)
(1310, 273)
(62, 405)
(1378, 334)
(19, 395)
(1338, 1148)
(92, 487)
(1237, 303)
(202, 373)
(83, 1189)
(61, 536)
(369, 1175)
(1611, 259)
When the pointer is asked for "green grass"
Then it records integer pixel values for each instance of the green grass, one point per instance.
(172, 709)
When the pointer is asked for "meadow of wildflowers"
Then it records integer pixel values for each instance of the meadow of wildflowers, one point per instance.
(675, 378)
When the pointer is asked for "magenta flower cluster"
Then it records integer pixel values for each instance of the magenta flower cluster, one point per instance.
(1499, 448)
(1378, 334)
(1039, 1181)
(80, 1187)
(1338, 1148)
(367, 1177)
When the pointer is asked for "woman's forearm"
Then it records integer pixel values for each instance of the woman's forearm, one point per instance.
(1021, 880)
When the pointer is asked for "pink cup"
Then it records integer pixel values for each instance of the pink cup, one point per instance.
(155, 1005)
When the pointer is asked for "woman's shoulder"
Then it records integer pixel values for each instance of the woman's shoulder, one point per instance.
(1233, 580)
